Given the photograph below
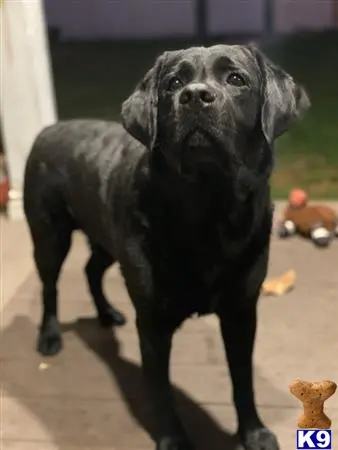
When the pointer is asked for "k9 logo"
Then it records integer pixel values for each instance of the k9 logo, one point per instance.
(314, 439)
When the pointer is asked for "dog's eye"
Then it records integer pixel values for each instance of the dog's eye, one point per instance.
(174, 83)
(236, 80)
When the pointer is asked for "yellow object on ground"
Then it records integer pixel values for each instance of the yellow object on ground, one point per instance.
(279, 285)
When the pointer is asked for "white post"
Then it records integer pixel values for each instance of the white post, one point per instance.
(27, 100)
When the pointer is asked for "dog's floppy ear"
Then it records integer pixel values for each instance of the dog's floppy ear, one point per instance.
(283, 101)
(139, 111)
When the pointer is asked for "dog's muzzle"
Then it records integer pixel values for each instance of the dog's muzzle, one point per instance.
(197, 95)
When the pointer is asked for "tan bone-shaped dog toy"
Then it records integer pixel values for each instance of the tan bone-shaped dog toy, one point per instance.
(313, 395)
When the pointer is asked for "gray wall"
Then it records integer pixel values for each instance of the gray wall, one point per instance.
(83, 19)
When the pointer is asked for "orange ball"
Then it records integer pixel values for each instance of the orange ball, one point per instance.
(298, 198)
(4, 190)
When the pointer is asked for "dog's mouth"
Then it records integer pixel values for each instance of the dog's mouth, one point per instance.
(198, 138)
(203, 152)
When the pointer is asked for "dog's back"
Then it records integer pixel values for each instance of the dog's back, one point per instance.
(70, 172)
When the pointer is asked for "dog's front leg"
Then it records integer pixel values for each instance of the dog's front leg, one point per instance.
(155, 336)
(238, 326)
(155, 344)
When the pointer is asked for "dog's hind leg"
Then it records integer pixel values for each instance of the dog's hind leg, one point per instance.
(51, 246)
(96, 266)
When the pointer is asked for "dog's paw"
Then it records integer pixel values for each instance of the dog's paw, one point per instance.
(49, 340)
(111, 317)
(174, 443)
(260, 439)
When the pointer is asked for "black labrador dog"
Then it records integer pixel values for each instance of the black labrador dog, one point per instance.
(180, 198)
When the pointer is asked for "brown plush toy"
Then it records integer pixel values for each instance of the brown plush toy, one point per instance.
(317, 222)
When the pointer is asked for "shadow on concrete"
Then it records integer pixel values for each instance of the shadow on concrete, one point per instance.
(201, 427)
(20, 380)
(21, 334)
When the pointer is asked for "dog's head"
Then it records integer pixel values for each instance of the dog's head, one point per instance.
(223, 103)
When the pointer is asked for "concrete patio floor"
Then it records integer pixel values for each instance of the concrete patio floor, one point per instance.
(90, 397)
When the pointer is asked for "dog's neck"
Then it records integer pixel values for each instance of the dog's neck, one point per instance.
(213, 178)
(238, 199)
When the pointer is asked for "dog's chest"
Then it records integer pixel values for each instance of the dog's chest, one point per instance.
(202, 249)
(193, 270)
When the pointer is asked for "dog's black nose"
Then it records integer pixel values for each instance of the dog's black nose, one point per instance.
(197, 93)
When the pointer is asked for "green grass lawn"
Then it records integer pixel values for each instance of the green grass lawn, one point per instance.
(92, 79)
